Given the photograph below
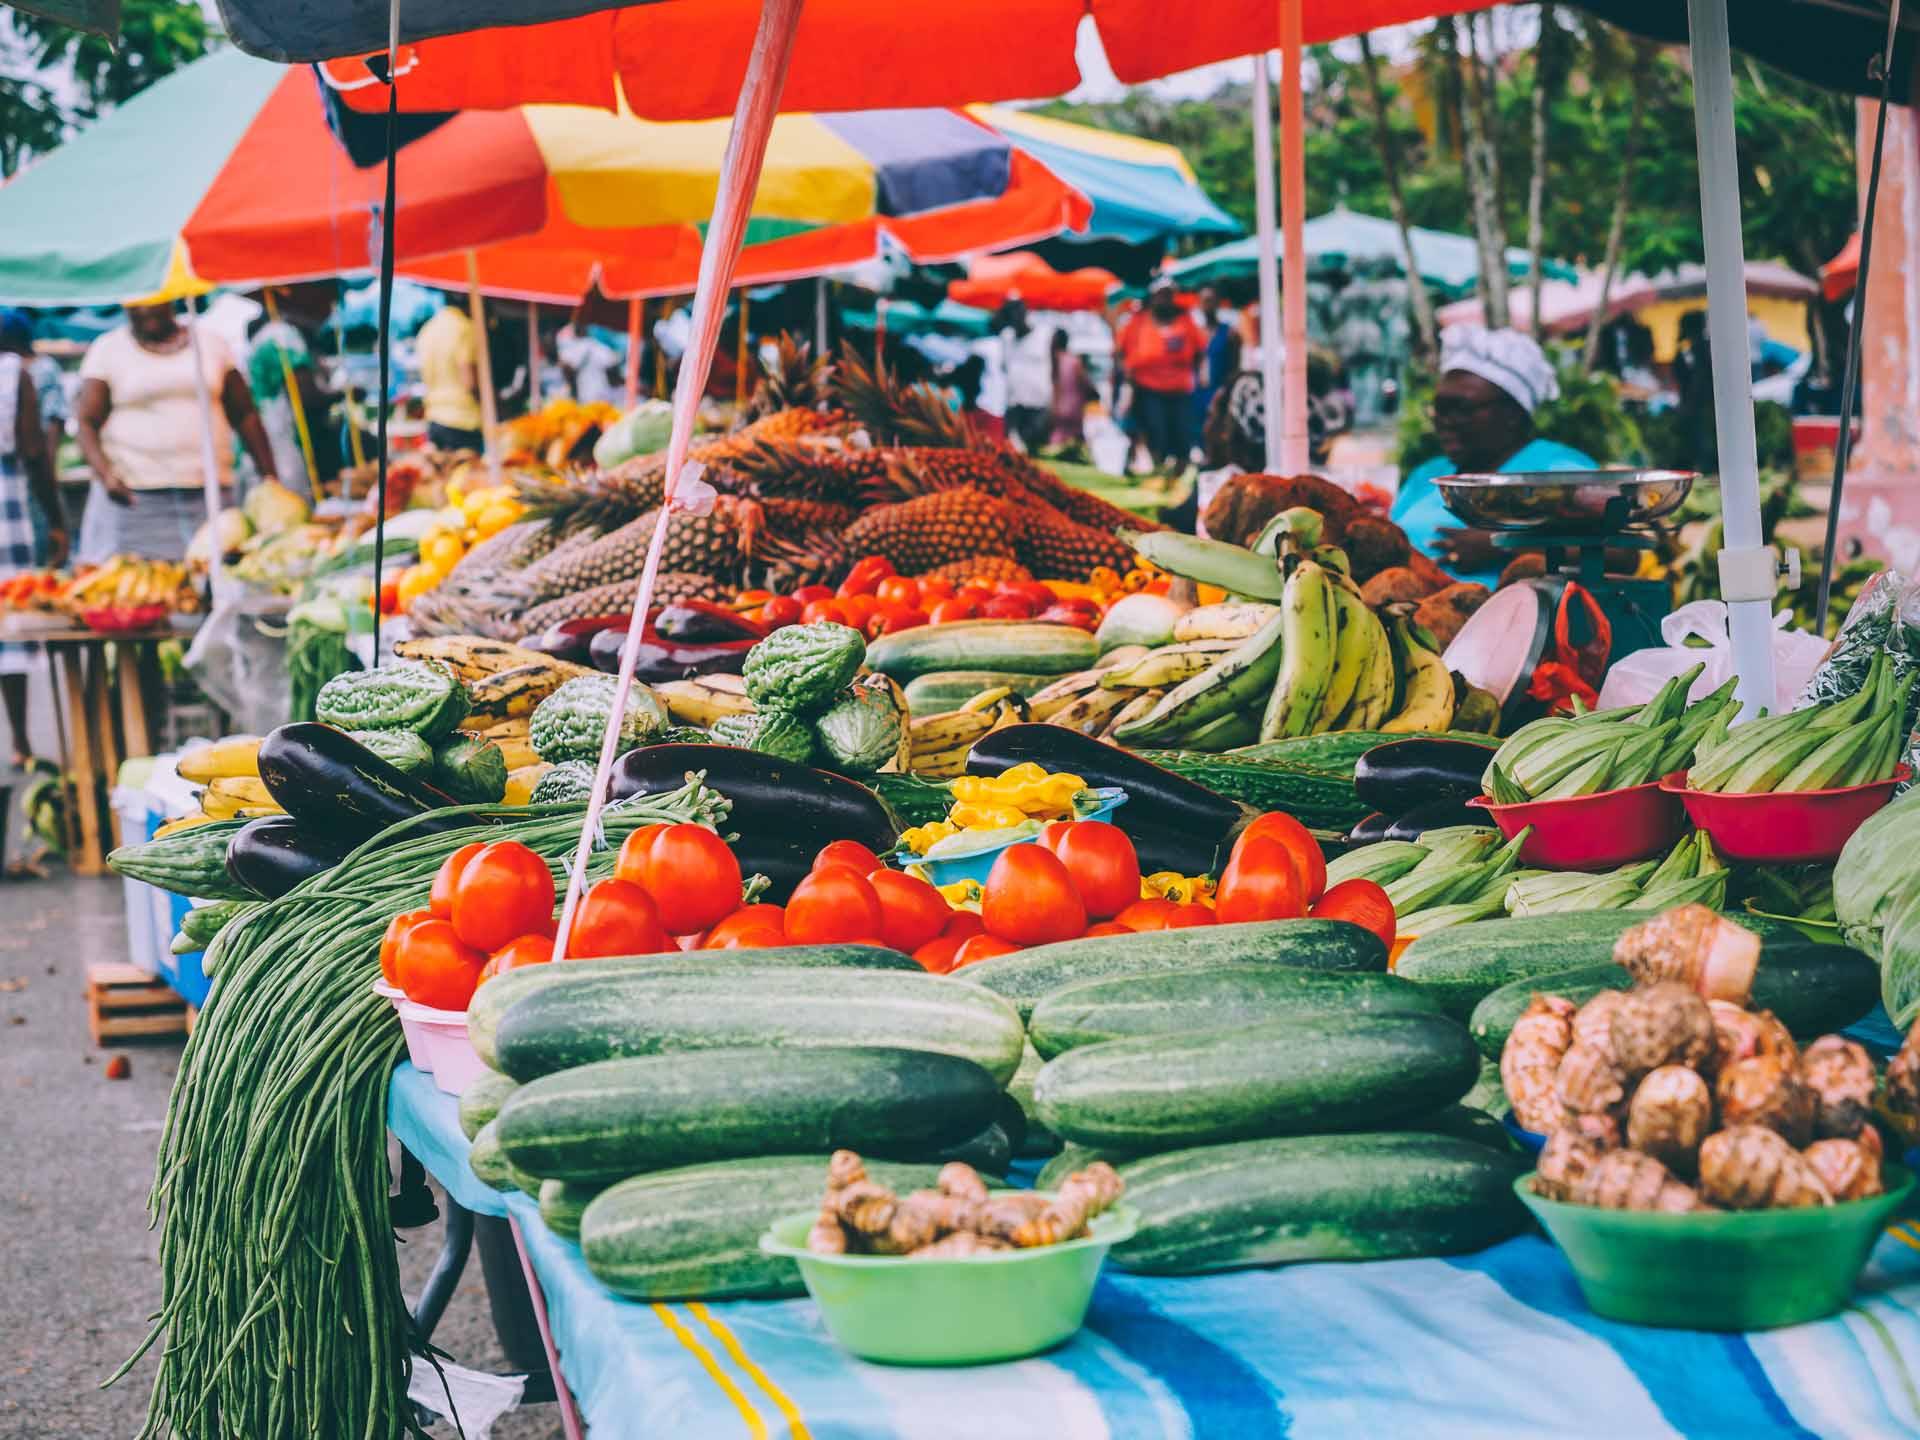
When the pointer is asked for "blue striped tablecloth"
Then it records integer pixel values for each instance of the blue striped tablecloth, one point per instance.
(1497, 1343)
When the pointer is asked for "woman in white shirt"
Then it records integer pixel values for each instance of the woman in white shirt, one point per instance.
(139, 425)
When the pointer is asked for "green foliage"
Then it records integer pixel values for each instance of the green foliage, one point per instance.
(156, 37)
(1589, 416)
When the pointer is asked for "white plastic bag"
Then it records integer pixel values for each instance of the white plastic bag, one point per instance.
(479, 1399)
(1635, 677)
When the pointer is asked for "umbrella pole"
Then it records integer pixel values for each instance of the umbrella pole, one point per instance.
(1263, 206)
(533, 357)
(1748, 567)
(740, 350)
(820, 316)
(483, 355)
(719, 256)
(1294, 451)
(635, 310)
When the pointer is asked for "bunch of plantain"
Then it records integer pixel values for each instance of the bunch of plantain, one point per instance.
(510, 736)
(701, 701)
(1855, 741)
(1561, 756)
(504, 682)
(938, 744)
(234, 758)
(131, 580)
(241, 797)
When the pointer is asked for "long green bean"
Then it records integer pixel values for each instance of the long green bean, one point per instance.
(281, 1309)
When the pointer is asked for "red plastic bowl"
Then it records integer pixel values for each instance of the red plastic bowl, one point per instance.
(1592, 832)
(1788, 827)
(124, 619)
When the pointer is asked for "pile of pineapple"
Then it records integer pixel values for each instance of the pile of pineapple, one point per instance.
(1675, 1096)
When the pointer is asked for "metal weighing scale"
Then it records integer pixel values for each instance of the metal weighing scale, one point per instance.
(1575, 517)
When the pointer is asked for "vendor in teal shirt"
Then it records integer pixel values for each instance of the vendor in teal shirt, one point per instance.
(1491, 382)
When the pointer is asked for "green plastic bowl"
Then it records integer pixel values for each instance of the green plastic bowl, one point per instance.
(1747, 1270)
(971, 1310)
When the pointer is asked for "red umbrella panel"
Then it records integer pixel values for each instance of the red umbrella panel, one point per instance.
(992, 280)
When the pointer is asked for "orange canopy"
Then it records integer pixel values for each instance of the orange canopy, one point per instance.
(686, 59)
(992, 280)
(1840, 274)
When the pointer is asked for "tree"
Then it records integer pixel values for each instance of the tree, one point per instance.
(1389, 163)
(30, 120)
(156, 38)
(1489, 227)
(1545, 79)
(1622, 196)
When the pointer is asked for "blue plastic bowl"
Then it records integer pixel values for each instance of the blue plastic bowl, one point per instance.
(980, 865)
(1531, 1140)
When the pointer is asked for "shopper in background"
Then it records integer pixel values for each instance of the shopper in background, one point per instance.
(589, 361)
(1072, 393)
(1026, 354)
(26, 484)
(1161, 350)
(449, 358)
(141, 427)
(1221, 361)
(281, 351)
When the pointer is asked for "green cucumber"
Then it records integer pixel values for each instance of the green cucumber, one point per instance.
(915, 799)
(694, 1233)
(493, 999)
(1313, 796)
(1813, 988)
(939, 691)
(1466, 1122)
(1026, 975)
(487, 1160)
(1077, 1157)
(562, 1204)
(1339, 751)
(1317, 1197)
(1211, 997)
(622, 1117)
(482, 1099)
(1464, 963)
(672, 1008)
(1029, 648)
(1278, 1077)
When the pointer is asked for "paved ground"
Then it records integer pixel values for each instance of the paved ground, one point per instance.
(78, 1265)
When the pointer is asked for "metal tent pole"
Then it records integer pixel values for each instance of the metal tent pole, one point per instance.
(1294, 450)
(1263, 205)
(635, 308)
(820, 316)
(1748, 568)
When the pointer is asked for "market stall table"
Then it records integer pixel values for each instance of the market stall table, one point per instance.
(101, 714)
(1497, 1342)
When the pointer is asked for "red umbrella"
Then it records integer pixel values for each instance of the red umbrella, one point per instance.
(992, 280)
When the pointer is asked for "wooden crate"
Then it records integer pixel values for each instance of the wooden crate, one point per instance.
(125, 1003)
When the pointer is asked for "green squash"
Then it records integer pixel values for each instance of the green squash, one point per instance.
(402, 749)
(471, 770)
(418, 695)
(803, 667)
(860, 732)
(568, 724)
(771, 732)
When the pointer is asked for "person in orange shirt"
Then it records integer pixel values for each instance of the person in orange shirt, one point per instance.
(1161, 351)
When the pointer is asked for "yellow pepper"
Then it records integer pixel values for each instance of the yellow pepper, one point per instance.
(1181, 889)
(962, 894)
(922, 838)
(980, 815)
(1026, 787)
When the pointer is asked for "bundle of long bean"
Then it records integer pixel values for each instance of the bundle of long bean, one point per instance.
(282, 1310)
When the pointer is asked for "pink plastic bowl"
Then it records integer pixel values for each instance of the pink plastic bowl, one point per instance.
(450, 1053)
(1592, 832)
(1787, 827)
(416, 1041)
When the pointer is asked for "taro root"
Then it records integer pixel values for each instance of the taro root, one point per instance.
(1740, 1034)
(1670, 1114)
(1749, 1167)
(1601, 1129)
(1535, 1047)
(1661, 1024)
(1766, 1090)
(1564, 1162)
(1593, 1021)
(1628, 1180)
(1840, 1075)
(1845, 1168)
(1902, 1099)
(1696, 946)
(1588, 1082)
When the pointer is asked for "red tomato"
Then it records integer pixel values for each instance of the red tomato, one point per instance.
(1363, 903)
(389, 597)
(834, 905)
(505, 891)
(964, 925)
(1038, 594)
(1184, 916)
(631, 864)
(847, 852)
(389, 942)
(818, 610)
(945, 612)
(1308, 863)
(747, 917)
(858, 609)
(934, 587)
(892, 618)
(807, 594)
(940, 954)
(1007, 607)
(527, 950)
(1261, 882)
(1106, 927)
(435, 967)
(974, 594)
(981, 947)
(866, 575)
(1101, 860)
(753, 937)
(692, 876)
(780, 610)
(1147, 915)
(1081, 619)
(1030, 898)
(898, 590)
(912, 912)
(440, 898)
(617, 917)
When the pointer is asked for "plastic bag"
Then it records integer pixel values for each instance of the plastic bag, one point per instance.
(1636, 677)
(1886, 616)
(478, 1399)
(641, 431)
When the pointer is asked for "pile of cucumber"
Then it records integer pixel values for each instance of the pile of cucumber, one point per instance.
(1269, 1091)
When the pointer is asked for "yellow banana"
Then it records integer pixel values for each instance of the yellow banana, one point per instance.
(1167, 666)
(701, 702)
(1139, 706)
(185, 822)
(1373, 701)
(520, 782)
(1352, 658)
(1307, 649)
(932, 733)
(475, 657)
(1426, 686)
(235, 756)
(1049, 700)
(1093, 712)
(1225, 621)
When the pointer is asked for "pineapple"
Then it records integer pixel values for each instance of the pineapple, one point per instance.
(1055, 547)
(978, 567)
(786, 561)
(814, 470)
(897, 414)
(717, 545)
(931, 530)
(795, 380)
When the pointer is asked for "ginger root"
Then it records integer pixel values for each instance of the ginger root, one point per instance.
(1535, 1046)
(1661, 1024)
(1766, 1090)
(828, 1235)
(922, 1218)
(959, 1244)
(962, 1181)
(1084, 1195)
(1696, 946)
(1669, 1116)
(865, 1208)
(1840, 1075)
(1628, 1180)
(1004, 1214)
(1846, 1168)
(1749, 1167)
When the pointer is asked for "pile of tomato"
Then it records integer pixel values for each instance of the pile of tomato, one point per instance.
(876, 601)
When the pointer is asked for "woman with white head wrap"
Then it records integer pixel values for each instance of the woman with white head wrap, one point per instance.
(1491, 382)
